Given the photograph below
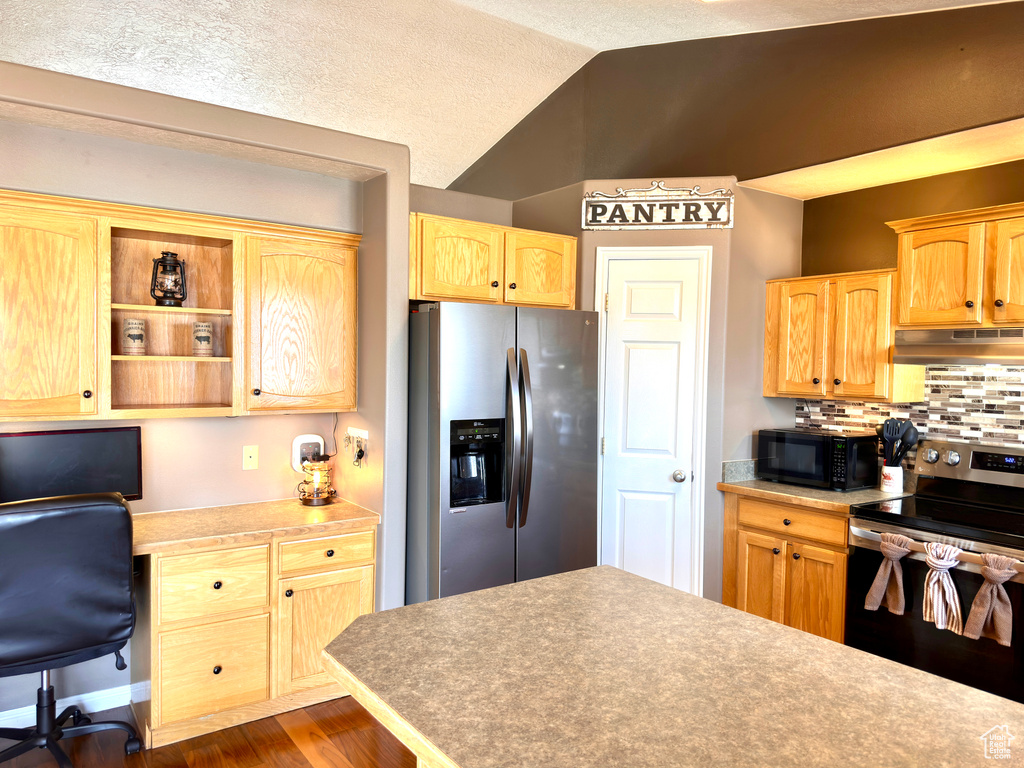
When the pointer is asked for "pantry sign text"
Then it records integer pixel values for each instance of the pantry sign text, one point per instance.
(658, 207)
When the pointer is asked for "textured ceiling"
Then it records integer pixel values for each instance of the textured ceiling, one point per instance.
(608, 24)
(447, 79)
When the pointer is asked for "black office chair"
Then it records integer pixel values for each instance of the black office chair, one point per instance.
(66, 596)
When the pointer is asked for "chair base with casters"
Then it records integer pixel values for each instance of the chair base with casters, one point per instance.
(50, 728)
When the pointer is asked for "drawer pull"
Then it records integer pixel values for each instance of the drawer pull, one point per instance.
(796, 555)
(288, 593)
(787, 521)
(775, 550)
(217, 585)
(330, 553)
(216, 670)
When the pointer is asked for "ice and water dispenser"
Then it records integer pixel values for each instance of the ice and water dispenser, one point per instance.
(477, 462)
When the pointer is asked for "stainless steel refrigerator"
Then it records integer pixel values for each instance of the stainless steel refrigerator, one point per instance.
(502, 446)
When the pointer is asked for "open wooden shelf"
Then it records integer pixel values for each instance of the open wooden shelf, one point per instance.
(169, 381)
(171, 358)
(171, 310)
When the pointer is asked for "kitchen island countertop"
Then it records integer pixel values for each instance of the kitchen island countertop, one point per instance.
(600, 668)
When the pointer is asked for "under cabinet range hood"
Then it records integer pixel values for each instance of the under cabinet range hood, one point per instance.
(960, 346)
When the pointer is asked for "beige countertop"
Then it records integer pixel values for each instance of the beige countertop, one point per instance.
(817, 498)
(205, 527)
(602, 669)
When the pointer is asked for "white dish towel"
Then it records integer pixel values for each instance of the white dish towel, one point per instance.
(941, 601)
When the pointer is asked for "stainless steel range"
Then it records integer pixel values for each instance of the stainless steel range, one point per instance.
(968, 495)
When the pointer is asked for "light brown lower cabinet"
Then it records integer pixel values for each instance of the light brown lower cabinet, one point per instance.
(229, 635)
(771, 573)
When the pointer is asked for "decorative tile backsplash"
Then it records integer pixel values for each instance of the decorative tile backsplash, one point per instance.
(979, 403)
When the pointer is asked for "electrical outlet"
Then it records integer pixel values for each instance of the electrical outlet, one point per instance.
(250, 457)
(304, 448)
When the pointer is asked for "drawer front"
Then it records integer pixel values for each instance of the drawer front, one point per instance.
(208, 583)
(213, 667)
(791, 521)
(328, 552)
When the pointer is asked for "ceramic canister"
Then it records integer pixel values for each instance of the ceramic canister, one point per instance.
(133, 337)
(202, 339)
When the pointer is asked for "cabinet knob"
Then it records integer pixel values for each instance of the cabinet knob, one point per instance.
(969, 304)
(999, 302)
(87, 394)
(775, 550)
(837, 382)
(512, 286)
(330, 553)
(495, 284)
(216, 670)
(288, 593)
(816, 381)
(217, 585)
(787, 521)
(796, 555)
(257, 392)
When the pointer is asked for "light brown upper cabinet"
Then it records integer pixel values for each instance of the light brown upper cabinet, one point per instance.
(962, 269)
(278, 303)
(803, 309)
(452, 259)
(48, 339)
(940, 276)
(830, 337)
(301, 307)
(1008, 272)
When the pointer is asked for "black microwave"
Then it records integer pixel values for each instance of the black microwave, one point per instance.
(842, 461)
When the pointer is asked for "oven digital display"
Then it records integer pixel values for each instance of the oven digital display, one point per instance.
(997, 462)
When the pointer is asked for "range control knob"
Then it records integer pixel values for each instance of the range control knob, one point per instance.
(952, 458)
(931, 456)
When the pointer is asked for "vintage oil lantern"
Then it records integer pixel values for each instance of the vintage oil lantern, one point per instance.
(168, 285)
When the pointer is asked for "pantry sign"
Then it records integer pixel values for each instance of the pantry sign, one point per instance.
(658, 207)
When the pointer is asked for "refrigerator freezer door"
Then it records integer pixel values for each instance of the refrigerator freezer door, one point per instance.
(559, 531)
(476, 548)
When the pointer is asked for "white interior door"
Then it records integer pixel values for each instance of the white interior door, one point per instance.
(651, 377)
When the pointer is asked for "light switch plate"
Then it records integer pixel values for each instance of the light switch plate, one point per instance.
(250, 457)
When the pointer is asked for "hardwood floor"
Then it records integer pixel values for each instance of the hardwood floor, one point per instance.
(335, 734)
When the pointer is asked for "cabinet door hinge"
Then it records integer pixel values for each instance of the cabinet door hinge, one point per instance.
(602, 446)
(606, 302)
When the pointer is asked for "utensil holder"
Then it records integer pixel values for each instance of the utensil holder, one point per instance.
(892, 480)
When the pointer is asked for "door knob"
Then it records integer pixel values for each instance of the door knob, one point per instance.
(679, 476)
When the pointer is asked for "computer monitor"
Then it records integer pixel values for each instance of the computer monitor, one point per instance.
(57, 463)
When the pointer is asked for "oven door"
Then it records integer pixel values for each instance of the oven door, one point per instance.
(908, 639)
(792, 457)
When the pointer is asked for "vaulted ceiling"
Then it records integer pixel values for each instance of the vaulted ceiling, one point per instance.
(448, 79)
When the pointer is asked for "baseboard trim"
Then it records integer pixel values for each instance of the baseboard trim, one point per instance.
(95, 701)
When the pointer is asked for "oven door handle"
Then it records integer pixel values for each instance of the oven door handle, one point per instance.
(867, 539)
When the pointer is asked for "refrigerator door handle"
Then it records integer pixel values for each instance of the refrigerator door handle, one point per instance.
(513, 421)
(524, 505)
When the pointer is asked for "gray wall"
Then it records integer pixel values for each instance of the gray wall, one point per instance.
(757, 104)
(79, 163)
(459, 205)
(764, 244)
